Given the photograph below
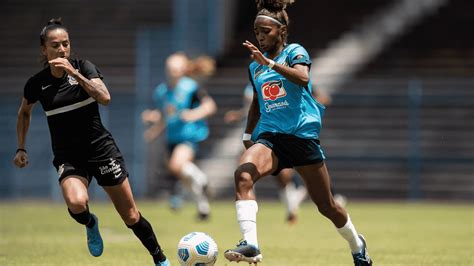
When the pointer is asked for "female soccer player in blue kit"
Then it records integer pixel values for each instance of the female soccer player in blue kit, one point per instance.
(70, 91)
(290, 121)
(182, 108)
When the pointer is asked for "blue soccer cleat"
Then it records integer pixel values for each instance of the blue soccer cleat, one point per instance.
(176, 202)
(94, 240)
(164, 263)
(244, 252)
(362, 258)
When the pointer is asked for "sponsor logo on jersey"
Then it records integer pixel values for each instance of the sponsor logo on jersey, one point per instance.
(273, 90)
(45, 87)
(72, 80)
(274, 106)
(298, 57)
(111, 167)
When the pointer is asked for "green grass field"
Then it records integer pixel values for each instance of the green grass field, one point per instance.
(41, 233)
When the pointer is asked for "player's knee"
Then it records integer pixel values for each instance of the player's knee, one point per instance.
(175, 168)
(77, 204)
(243, 180)
(327, 209)
(131, 216)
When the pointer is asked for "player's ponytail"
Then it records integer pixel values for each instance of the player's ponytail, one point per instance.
(273, 5)
(54, 23)
(201, 67)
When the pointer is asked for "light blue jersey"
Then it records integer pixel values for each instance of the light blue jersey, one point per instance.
(171, 102)
(286, 107)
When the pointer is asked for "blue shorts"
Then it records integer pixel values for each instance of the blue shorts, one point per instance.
(292, 151)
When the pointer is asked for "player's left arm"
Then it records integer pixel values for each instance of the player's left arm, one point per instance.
(95, 87)
(298, 73)
(206, 108)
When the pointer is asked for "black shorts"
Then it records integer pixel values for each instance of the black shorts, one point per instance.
(107, 165)
(292, 151)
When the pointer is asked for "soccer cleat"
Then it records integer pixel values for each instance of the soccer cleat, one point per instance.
(94, 240)
(362, 258)
(244, 252)
(176, 202)
(291, 218)
(164, 263)
(203, 217)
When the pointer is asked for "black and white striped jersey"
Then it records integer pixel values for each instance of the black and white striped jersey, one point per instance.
(73, 116)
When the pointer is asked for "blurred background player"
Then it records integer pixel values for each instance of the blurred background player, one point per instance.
(181, 109)
(70, 91)
(291, 189)
(290, 121)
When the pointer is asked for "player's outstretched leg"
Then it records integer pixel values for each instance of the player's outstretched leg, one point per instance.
(94, 240)
(362, 258)
(244, 252)
(144, 231)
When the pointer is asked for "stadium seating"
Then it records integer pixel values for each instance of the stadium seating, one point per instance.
(438, 54)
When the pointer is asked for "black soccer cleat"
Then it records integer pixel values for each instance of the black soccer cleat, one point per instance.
(362, 258)
(244, 252)
(203, 217)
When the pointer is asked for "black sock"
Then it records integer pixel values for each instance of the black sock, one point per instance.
(84, 217)
(143, 230)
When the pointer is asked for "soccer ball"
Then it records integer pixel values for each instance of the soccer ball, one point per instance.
(197, 249)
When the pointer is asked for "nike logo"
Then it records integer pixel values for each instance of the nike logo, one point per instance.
(45, 87)
(118, 175)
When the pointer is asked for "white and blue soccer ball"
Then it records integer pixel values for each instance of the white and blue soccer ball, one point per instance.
(197, 249)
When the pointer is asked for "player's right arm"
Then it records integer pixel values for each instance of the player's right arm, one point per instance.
(22, 126)
(252, 119)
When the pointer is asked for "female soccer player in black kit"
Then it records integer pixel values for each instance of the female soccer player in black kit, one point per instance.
(70, 91)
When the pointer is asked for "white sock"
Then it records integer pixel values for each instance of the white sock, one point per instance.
(191, 171)
(247, 218)
(349, 233)
(203, 205)
(196, 181)
(284, 196)
(294, 197)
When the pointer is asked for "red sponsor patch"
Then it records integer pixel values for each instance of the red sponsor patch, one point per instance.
(273, 90)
